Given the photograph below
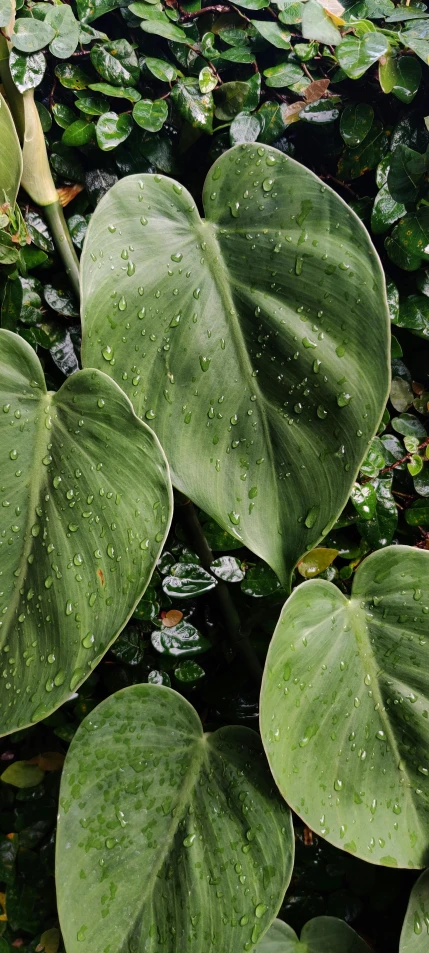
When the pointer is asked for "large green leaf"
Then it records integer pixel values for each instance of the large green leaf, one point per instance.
(415, 931)
(168, 838)
(239, 337)
(10, 156)
(344, 708)
(86, 503)
(321, 935)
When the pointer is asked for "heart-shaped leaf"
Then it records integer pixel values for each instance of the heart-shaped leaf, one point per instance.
(82, 529)
(415, 931)
(179, 842)
(344, 708)
(239, 337)
(321, 935)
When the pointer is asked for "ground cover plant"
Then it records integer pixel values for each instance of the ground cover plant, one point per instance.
(214, 477)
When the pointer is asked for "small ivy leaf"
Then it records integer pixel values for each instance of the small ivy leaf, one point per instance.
(418, 513)
(71, 76)
(316, 561)
(207, 80)
(188, 672)
(407, 169)
(355, 162)
(364, 500)
(415, 466)
(115, 92)
(409, 426)
(182, 639)
(413, 233)
(374, 460)
(273, 33)
(21, 774)
(318, 25)
(244, 128)
(261, 581)
(167, 30)
(161, 69)
(150, 115)
(27, 70)
(66, 27)
(414, 315)
(379, 529)
(79, 133)
(112, 129)
(195, 107)
(116, 62)
(30, 35)
(228, 568)
(356, 55)
(385, 211)
(187, 580)
(355, 124)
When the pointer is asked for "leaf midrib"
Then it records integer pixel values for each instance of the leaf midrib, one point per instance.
(33, 495)
(201, 753)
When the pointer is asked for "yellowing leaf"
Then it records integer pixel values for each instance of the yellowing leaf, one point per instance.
(316, 561)
(49, 761)
(49, 941)
(334, 9)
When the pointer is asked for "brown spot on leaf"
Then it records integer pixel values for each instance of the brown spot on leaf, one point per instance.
(100, 575)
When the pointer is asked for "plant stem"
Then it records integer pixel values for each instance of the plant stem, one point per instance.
(61, 235)
(241, 642)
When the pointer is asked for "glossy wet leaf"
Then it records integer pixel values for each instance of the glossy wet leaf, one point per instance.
(415, 931)
(179, 640)
(273, 33)
(356, 121)
(385, 211)
(413, 233)
(79, 133)
(186, 580)
(228, 568)
(378, 528)
(416, 37)
(150, 115)
(284, 74)
(316, 561)
(321, 935)
(357, 54)
(195, 107)
(27, 70)
(162, 69)
(165, 28)
(116, 62)
(112, 129)
(225, 388)
(82, 534)
(360, 159)
(208, 799)
(414, 315)
(406, 171)
(10, 156)
(71, 76)
(418, 513)
(188, 673)
(117, 92)
(406, 77)
(343, 704)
